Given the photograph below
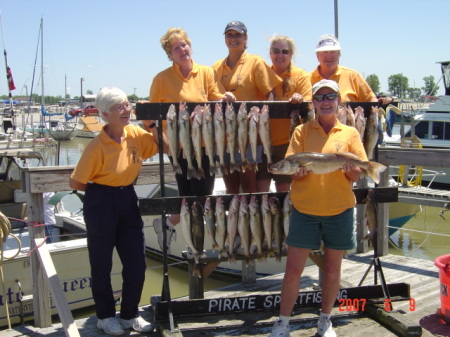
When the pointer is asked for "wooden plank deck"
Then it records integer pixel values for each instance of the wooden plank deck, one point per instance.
(422, 276)
(424, 196)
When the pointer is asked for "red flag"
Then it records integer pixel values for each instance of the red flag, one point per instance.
(10, 79)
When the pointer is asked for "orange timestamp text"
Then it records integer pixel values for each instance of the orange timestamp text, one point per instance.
(359, 304)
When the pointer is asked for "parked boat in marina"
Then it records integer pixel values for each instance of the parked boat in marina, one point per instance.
(88, 127)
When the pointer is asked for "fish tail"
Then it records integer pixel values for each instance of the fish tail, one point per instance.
(196, 271)
(213, 169)
(248, 260)
(234, 167)
(246, 165)
(374, 170)
(200, 173)
(223, 253)
(231, 257)
(191, 173)
(215, 246)
(262, 257)
(223, 168)
(177, 169)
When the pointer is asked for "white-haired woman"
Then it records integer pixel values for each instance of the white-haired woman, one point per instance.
(106, 172)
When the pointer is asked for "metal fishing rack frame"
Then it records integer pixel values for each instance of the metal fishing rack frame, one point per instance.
(165, 308)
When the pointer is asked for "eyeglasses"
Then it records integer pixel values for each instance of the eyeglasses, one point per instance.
(276, 51)
(329, 97)
(121, 107)
(235, 35)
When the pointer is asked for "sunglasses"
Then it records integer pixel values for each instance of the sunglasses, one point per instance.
(329, 97)
(276, 51)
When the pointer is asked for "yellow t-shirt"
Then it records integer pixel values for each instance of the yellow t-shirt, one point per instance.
(331, 193)
(108, 163)
(171, 86)
(352, 85)
(300, 83)
(250, 80)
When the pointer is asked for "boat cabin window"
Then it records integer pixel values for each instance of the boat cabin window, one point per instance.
(420, 130)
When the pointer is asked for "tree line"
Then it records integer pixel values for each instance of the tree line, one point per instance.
(398, 85)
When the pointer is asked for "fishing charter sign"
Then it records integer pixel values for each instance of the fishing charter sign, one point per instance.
(271, 301)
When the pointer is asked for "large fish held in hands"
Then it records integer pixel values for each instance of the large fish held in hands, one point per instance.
(242, 135)
(172, 137)
(219, 136)
(208, 137)
(230, 128)
(185, 139)
(322, 163)
(196, 134)
(264, 133)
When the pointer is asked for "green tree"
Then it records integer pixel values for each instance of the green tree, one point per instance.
(133, 98)
(414, 92)
(89, 92)
(398, 85)
(431, 87)
(374, 83)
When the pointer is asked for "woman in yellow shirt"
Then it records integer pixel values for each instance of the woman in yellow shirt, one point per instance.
(295, 88)
(249, 78)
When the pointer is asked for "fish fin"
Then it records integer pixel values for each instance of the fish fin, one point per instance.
(234, 167)
(177, 169)
(223, 168)
(374, 170)
(200, 173)
(191, 173)
(305, 164)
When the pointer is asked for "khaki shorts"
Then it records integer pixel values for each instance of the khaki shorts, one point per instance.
(278, 153)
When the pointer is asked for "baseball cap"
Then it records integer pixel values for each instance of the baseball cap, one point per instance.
(237, 26)
(325, 84)
(328, 42)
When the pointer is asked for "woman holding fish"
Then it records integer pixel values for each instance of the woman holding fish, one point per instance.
(295, 88)
(249, 78)
(352, 85)
(185, 81)
(323, 205)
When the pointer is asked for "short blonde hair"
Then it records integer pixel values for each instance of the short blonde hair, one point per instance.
(167, 39)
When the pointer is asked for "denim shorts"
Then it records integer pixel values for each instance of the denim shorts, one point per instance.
(336, 231)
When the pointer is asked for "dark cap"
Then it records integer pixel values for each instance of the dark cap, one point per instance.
(237, 26)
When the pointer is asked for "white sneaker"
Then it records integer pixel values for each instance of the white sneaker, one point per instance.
(137, 324)
(280, 330)
(325, 328)
(170, 235)
(110, 326)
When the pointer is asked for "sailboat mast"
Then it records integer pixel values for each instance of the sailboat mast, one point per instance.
(42, 64)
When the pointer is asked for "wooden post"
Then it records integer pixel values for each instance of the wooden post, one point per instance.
(196, 287)
(49, 270)
(248, 272)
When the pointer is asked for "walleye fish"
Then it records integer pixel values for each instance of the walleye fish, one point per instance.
(210, 220)
(277, 220)
(208, 137)
(360, 121)
(196, 134)
(186, 226)
(230, 129)
(350, 116)
(253, 117)
(267, 221)
(341, 114)
(172, 137)
(244, 228)
(371, 133)
(264, 133)
(322, 163)
(221, 227)
(256, 226)
(371, 217)
(198, 234)
(242, 123)
(287, 208)
(232, 225)
(295, 120)
(185, 139)
(219, 136)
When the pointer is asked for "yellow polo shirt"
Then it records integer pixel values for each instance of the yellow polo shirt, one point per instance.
(352, 85)
(331, 193)
(250, 80)
(108, 163)
(171, 86)
(300, 83)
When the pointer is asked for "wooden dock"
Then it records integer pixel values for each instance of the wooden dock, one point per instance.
(408, 318)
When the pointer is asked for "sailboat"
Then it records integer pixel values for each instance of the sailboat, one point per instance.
(50, 125)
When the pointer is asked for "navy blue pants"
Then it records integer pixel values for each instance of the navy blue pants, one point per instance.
(113, 220)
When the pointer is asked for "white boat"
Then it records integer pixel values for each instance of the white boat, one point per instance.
(55, 129)
(70, 256)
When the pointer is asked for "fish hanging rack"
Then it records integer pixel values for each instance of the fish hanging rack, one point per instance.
(277, 109)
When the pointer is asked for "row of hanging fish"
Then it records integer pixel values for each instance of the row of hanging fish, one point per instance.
(219, 132)
(261, 226)
(368, 129)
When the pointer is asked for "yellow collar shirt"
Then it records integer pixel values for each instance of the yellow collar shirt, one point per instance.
(107, 162)
(250, 80)
(352, 86)
(171, 86)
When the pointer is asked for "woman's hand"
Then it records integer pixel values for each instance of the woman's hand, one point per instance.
(352, 172)
(228, 97)
(302, 171)
(296, 98)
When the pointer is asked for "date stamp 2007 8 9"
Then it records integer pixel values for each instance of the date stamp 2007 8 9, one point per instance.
(360, 304)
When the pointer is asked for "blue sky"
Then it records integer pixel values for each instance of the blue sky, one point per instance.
(111, 42)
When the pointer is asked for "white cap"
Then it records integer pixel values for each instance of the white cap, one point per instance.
(327, 43)
(325, 84)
